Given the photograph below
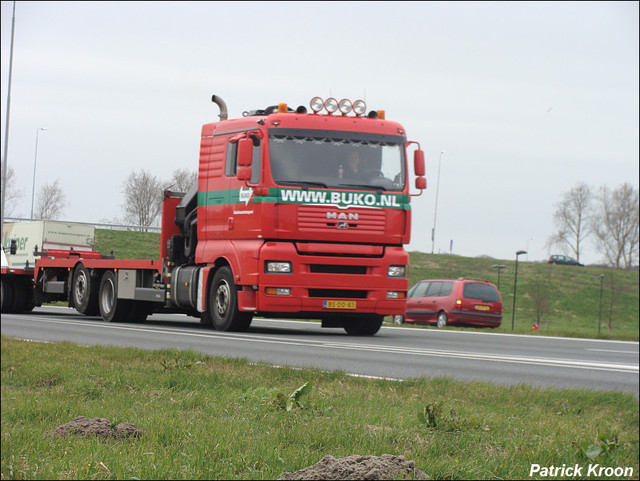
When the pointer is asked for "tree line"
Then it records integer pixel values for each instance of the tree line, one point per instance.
(608, 218)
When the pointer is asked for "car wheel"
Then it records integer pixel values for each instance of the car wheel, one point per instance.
(442, 319)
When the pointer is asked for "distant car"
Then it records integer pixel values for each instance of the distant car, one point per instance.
(461, 301)
(565, 260)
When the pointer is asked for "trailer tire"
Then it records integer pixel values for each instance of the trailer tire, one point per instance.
(361, 326)
(112, 309)
(223, 303)
(84, 290)
(6, 295)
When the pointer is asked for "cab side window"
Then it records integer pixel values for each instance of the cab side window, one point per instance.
(231, 163)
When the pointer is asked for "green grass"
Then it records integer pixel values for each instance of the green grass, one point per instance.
(212, 418)
(574, 292)
(128, 244)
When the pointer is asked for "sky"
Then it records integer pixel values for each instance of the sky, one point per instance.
(516, 101)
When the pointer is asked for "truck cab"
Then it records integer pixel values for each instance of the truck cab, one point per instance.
(306, 214)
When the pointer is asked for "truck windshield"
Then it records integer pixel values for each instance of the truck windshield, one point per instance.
(335, 159)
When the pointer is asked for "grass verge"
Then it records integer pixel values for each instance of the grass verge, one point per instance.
(213, 418)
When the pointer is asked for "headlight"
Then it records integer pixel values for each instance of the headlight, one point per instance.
(396, 295)
(331, 105)
(359, 107)
(345, 106)
(316, 104)
(276, 267)
(397, 271)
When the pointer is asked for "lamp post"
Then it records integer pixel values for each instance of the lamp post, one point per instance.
(600, 310)
(499, 267)
(435, 213)
(35, 160)
(515, 285)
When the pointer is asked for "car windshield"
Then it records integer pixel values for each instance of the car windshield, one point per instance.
(482, 292)
(334, 159)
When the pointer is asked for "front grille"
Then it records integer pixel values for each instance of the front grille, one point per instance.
(319, 219)
(336, 269)
(338, 293)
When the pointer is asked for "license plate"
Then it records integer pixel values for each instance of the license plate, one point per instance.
(481, 307)
(339, 304)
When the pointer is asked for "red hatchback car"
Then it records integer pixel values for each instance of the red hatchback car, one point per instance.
(462, 301)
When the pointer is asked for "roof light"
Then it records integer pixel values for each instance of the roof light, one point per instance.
(381, 114)
(316, 104)
(345, 106)
(282, 108)
(331, 105)
(359, 107)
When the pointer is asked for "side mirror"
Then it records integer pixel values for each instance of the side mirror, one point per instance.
(421, 183)
(418, 163)
(245, 152)
(14, 247)
(244, 174)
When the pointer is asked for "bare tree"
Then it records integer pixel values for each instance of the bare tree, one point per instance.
(616, 225)
(183, 179)
(540, 292)
(572, 219)
(142, 198)
(12, 194)
(50, 202)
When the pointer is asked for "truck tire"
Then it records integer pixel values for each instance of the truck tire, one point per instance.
(223, 303)
(84, 289)
(20, 294)
(6, 299)
(361, 326)
(112, 309)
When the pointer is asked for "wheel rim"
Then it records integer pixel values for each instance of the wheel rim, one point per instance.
(442, 320)
(107, 295)
(223, 298)
(80, 290)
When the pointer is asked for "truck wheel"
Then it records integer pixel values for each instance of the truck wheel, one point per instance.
(7, 295)
(223, 303)
(112, 309)
(363, 326)
(19, 297)
(84, 289)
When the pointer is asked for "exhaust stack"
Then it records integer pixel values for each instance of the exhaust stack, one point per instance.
(223, 107)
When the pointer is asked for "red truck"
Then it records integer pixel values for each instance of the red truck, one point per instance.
(294, 215)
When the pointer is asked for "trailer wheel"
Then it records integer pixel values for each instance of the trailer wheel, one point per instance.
(112, 309)
(223, 303)
(6, 299)
(84, 289)
(363, 326)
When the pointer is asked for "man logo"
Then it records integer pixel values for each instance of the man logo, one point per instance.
(342, 216)
(342, 225)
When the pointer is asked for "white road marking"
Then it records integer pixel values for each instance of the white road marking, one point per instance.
(265, 339)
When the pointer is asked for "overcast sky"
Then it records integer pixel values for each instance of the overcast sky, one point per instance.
(525, 99)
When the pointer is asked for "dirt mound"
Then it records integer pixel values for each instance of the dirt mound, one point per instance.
(99, 427)
(360, 467)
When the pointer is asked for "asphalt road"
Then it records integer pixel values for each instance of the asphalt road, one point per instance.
(395, 352)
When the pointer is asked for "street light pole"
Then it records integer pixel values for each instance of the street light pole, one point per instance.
(435, 213)
(35, 160)
(515, 285)
(5, 159)
(499, 267)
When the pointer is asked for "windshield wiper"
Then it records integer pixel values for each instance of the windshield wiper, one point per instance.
(377, 188)
(301, 183)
